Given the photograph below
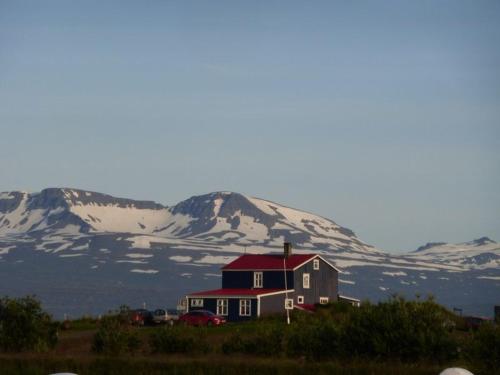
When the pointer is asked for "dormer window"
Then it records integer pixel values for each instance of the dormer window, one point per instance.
(257, 280)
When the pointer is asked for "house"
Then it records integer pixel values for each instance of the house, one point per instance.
(258, 284)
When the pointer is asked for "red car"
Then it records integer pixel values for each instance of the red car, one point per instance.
(141, 317)
(201, 318)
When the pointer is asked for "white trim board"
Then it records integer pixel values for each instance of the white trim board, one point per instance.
(231, 296)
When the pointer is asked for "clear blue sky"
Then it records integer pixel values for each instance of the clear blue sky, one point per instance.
(384, 116)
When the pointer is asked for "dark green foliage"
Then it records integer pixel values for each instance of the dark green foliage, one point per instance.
(317, 339)
(179, 339)
(484, 348)
(25, 326)
(209, 366)
(406, 330)
(396, 330)
(234, 343)
(115, 336)
(265, 340)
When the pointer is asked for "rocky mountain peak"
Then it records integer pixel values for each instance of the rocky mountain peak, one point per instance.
(481, 241)
(429, 245)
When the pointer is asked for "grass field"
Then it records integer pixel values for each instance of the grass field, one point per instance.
(73, 354)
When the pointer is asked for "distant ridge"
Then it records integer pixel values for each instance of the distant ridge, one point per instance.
(72, 245)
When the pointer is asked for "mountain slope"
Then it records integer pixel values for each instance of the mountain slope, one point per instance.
(482, 253)
(221, 218)
(85, 252)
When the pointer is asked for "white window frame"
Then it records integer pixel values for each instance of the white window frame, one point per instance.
(258, 279)
(316, 264)
(222, 306)
(306, 281)
(300, 300)
(196, 302)
(324, 300)
(245, 307)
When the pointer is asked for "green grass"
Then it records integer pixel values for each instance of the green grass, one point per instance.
(83, 324)
(204, 365)
(249, 347)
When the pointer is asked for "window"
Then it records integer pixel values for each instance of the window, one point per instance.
(222, 307)
(305, 281)
(257, 279)
(197, 302)
(245, 307)
(300, 300)
(316, 264)
(323, 300)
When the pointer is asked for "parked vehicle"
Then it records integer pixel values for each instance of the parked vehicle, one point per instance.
(473, 322)
(141, 317)
(165, 316)
(201, 318)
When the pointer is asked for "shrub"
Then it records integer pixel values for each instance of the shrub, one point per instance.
(25, 326)
(233, 344)
(115, 336)
(406, 330)
(314, 340)
(484, 348)
(266, 340)
(179, 339)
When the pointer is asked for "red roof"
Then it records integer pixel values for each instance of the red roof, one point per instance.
(267, 262)
(237, 292)
(306, 307)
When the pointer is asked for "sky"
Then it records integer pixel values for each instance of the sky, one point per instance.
(383, 116)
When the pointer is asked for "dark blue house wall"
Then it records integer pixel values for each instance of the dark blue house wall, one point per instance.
(273, 304)
(244, 279)
(233, 308)
(323, 283)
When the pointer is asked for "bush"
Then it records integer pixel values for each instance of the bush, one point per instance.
(266, 340)
(114, 336)
(400, 329)
(314, 340)
(484, 348)
(179, 339)
(25, 326)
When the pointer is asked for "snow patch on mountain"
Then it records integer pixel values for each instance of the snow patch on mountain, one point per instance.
(479, 254)
(113, 218)
(211, 259)
(147, 271)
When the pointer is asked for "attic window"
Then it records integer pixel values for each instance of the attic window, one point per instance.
(316, 264)
(257, 279)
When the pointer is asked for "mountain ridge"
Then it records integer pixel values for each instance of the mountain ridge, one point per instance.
(104, 243)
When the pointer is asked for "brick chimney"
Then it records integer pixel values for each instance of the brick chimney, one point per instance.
(287, 247)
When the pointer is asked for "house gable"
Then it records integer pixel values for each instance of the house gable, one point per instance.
(323, 282)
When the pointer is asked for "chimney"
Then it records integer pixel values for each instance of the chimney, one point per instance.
(287, 247)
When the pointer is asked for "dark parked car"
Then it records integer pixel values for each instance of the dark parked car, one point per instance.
(201, 318)
(141, 317)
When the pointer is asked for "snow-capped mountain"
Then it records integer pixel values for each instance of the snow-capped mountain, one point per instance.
(84, 251)
(482, 253)
(222, 220)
